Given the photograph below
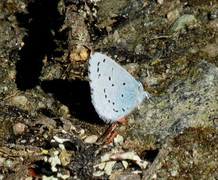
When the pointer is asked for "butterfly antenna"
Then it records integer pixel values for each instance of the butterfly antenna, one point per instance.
(148, 96)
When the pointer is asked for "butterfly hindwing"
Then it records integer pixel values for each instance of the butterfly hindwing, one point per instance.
(115, 93)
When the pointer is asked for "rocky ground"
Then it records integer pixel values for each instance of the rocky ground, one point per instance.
(49, 128)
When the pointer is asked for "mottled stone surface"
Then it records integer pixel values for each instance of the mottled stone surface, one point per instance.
(189, 101)
(191, 155)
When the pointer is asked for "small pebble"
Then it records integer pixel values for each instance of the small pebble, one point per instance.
(185, 21)
(91, 139)
(173, 15)
(139, 49)
(160, 1)
(19, 128)
(125, 175)
(20, 100)
(64, 110)
(214, 14)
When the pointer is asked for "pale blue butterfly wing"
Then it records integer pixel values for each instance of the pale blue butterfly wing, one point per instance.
(115, 93)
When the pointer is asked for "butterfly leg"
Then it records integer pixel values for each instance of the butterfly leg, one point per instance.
(114, 133)
(111, 132)
(108, 132)
(112, 136)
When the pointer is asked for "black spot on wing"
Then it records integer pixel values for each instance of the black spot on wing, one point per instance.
(115, 110)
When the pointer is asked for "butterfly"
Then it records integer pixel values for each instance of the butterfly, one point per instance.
(115, 93)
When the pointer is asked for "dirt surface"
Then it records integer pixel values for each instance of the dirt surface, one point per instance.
(49, 128)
